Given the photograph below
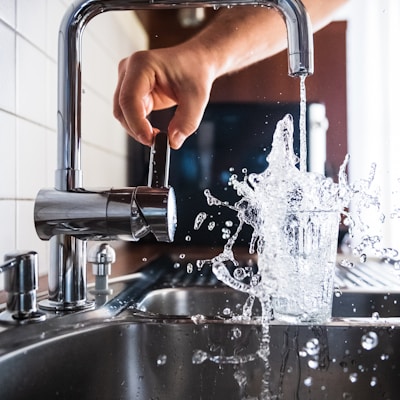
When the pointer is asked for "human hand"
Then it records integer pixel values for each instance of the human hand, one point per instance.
(158, 79)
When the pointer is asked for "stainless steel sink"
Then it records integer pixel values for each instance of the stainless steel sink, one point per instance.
(154, 341)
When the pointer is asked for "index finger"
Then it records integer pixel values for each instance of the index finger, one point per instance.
(133, 102)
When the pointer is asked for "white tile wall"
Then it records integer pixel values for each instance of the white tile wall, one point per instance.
(8, 67)
(28, 109)
(7, 12)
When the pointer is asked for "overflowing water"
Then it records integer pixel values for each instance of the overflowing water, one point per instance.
(295, 218)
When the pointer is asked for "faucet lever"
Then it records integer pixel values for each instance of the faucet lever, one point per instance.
(159, 161)
(20, 283)
(157, 202)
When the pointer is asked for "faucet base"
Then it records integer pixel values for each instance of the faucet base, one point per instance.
(10, 318)
(49, 305)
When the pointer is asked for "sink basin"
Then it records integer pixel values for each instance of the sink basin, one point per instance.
(184, 343)
(129, 358)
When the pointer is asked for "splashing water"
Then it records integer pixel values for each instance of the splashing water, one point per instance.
(295, 216)
(295, 220)
(200, 218)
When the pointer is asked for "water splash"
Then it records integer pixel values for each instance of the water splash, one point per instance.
(289, 211)
(200, 218)
(369, 341)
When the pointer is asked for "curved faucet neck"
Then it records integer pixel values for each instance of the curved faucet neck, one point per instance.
(68, 175)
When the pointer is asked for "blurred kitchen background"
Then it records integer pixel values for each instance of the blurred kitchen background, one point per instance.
(356, 78)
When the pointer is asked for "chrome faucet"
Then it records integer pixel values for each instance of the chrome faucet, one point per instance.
(69, 214)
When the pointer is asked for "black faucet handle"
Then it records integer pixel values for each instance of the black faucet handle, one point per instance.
(159, 161)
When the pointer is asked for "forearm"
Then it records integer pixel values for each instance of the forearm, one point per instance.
(184, 74)
(251, 34)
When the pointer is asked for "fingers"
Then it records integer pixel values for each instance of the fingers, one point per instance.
(133, 102)
(187, 117)
(147, 82)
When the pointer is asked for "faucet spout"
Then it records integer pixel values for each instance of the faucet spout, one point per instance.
(299, 36)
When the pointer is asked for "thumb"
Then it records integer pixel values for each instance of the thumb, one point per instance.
(186, 119)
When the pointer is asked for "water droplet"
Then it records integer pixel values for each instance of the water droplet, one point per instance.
(375, 316)
(177, 265)
(211, 226)
(374, 381)
(343, 364)
(144, 259)
(308, 381)
(189, 268)
(353, 377)
(239, 274)
(236, 333)
(313, 364)
(199, 356)
(346, 263)
(302, 353)
(229, 223)
(198, 319)
(188, 238)
(337, 291)
(363, 258)
(182, 256)
(226, 233)
(384, 357)
(255, 280)
(200, 218)
(162, 359)
(369, 341)
(312, 347)
(227, 311)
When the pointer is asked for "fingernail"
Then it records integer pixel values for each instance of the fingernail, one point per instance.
(176, 140)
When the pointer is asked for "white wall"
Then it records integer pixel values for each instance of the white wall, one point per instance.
(373, 82)
(28, 109)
